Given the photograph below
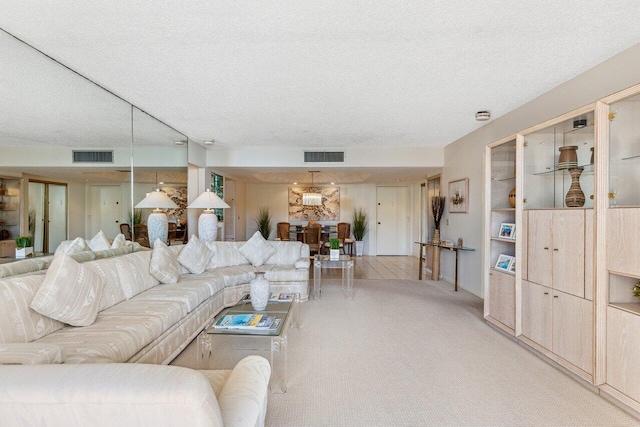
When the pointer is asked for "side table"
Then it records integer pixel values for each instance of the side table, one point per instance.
(345, 263)
(435, 268)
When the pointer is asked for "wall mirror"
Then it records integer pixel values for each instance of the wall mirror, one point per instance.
(74, 157)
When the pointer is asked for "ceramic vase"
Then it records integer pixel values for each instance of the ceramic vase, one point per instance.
(575, 196)
(568, 157)
(436, 237)
(512, 198)
(259, 291)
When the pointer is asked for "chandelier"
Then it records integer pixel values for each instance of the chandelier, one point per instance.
(311, 198)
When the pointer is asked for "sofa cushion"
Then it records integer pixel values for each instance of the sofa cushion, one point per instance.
(287, 253)
(134, 274)
(284, 273)
(257, 250)
(72, 246)
(119, 241)
(191, 294)
(226, 254)
(99, 242)
(31, 353)
(164, 313)
(70, 292)
(235, 275)
(212, 280)
(196, 256)
(18, 322)
(164, 264)
(25, 266)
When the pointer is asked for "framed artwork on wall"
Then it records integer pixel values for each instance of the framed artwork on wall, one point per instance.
(459, 196)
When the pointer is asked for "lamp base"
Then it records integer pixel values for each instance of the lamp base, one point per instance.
(208, 226)
(158, 227)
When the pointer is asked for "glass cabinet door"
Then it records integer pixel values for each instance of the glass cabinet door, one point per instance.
(624, 153)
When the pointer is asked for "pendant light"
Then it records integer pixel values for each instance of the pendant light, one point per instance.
(312, 198)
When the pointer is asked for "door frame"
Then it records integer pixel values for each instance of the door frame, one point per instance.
(45, 213)
(408, 208)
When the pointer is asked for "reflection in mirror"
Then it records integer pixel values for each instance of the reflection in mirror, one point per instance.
(160, 162)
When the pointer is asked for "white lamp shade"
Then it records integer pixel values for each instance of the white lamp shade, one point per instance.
(313, 199)
(208, 200)
(157, 200)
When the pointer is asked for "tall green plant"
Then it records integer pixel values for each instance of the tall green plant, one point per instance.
(360, 224)
(136, 217)
(263, 221)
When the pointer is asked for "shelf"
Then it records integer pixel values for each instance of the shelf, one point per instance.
(503, 179)
(587, 170)
(631, 157)
(502, 271)
(502, 239)
(629, 307)
(503, 210)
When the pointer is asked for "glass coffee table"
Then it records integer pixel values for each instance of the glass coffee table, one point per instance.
(223, 348)
(344, 263)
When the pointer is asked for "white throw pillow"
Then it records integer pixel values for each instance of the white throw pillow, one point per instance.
(70, 292)
(99, 242)
(164, 264)
(226, 254)
(119, 242)
(73, 246)
(195, 256)
(257, 250)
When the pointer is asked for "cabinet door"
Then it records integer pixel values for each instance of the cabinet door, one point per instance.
(502, 298)
(623, 348)
(589, 273)
(573, 330)
(524, 264)
(623, 240)
(568, 251)
(536, 313)
(539, 247)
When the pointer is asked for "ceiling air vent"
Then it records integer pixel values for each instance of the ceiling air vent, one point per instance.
(323, 156)
(92, 156)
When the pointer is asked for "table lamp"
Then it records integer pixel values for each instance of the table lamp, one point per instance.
(157, 223)
(208, 221)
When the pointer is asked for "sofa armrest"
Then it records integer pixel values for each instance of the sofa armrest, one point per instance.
(114, 394)
(303, 263)
(31, 353)
(243, 399)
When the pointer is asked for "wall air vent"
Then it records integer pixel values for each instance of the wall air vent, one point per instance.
(92, 156)
(323, 156)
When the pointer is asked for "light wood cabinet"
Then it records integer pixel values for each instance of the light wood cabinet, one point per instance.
(7, 248)
(556, 249)
(623, 342)
(623, 241)
(573, 330)
(502, 301)
(536, 314)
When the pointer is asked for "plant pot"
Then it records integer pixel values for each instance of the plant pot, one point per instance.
(334, 254)
(259, 289)
(24, 252)
(359, 247)
(436, 237)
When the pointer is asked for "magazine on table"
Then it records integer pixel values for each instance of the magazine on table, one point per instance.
(247, 321)
(272, 298)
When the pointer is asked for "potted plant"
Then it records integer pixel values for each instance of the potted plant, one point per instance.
(24, 246)
(360, 226)
(334, 249)
(263, 221)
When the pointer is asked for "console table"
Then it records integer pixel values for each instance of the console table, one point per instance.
(435, 267)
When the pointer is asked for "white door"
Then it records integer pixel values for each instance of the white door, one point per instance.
(57, 225)
(392, 221)
(104, 210)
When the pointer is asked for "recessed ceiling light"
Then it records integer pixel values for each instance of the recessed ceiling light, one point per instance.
(295, 183)
(483, 116)
(180, 142)
(333, 183)
(161, 183)
(209, 142)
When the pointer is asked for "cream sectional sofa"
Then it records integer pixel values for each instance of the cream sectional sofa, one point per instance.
(137, 318)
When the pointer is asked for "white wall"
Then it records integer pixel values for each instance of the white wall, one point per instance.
(463, 157)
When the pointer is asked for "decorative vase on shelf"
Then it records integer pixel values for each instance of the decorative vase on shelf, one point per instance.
(636, 290)
(436, 237)
(575, 195)
(259, 291)
(568, 157)
(512, 198)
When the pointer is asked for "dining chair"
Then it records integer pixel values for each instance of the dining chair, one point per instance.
(126, 230)
(283, 229)
(311, 236)
(344, 234)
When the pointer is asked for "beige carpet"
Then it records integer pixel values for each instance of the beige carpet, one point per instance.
(409, 353)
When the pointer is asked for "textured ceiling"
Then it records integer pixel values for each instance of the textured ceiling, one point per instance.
(330, 73)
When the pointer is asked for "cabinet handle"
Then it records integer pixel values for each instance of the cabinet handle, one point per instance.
(546, 248)
(556, 250)
(546, 293)
(555, 296)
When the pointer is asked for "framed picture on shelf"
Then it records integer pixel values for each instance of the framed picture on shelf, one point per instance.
(512, 266)
(459, 196)
(507, 231)
(504, 262)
